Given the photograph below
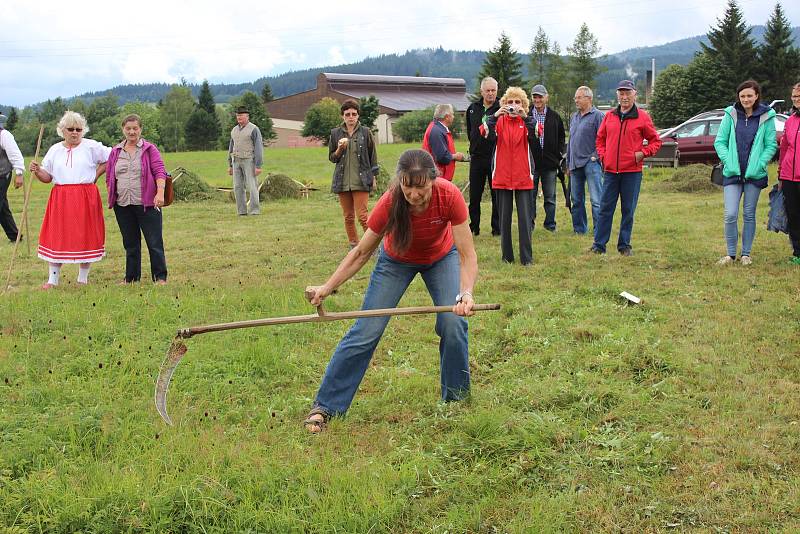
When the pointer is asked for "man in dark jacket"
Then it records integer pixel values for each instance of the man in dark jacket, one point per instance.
(480, 151)
(548, 147)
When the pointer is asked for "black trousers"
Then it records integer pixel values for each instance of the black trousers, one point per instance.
(480, 171)
(791, 199)
(6, 217)
(135, 222)
(505, 204)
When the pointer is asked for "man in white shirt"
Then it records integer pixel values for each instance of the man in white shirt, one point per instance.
(10, 159)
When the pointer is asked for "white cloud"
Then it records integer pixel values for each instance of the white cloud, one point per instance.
(47, 52)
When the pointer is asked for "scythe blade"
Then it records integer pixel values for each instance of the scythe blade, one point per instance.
(174, 355)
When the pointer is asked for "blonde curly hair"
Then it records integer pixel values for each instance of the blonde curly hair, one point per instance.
(516, 93)
(71, 119)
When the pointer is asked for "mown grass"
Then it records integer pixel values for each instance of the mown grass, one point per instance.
(304, 164)
(586, 414)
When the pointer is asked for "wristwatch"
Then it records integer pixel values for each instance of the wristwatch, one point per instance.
(460, 296)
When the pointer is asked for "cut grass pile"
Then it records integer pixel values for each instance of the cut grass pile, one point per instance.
(695, 178)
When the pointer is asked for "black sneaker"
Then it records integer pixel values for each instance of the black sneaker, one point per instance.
(595, 250)
(626, 252)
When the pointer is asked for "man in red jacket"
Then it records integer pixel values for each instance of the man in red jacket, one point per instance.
(621, 151)
(438, 141)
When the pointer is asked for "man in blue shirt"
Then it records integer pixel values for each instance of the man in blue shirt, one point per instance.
(583, 165)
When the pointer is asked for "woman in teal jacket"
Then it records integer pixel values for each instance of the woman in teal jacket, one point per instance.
(745, 145)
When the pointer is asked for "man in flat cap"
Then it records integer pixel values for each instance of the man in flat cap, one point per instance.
(547, 147)
(245, 157)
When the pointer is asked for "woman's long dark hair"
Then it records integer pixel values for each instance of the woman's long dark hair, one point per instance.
(414, 168)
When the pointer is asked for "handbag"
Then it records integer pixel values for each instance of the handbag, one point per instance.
(169, 190)
(716, 174)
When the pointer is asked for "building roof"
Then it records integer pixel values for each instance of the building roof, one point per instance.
(401, 93)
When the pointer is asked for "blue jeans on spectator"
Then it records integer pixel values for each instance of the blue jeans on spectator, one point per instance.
(388, 283)
(590, 174)
(547, 179)
(625, 186)
(732, 194)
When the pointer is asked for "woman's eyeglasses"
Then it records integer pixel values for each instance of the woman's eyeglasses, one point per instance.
(353, 114)
(74, 129)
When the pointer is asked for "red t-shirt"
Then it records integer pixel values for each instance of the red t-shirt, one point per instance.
(432, 235)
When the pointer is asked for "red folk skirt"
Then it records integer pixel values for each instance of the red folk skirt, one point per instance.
(73, 230)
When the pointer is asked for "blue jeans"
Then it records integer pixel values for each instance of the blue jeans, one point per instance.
(625, 186)
(388, 283)
(732, 194)
(592, 175)
(548, 181)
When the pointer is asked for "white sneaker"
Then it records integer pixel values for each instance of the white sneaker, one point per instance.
(746, 260)
(725, 260)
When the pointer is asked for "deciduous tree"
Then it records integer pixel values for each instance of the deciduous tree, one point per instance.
(668, 104)
(321, 118)
(370, 109)
(175, 109)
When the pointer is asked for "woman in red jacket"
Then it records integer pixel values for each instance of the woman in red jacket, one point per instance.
(512, 170)
(790, 173)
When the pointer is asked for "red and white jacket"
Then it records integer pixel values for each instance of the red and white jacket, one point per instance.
(512, 162)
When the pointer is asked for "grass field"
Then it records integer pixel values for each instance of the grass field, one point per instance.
(681, 414)
(304, 164)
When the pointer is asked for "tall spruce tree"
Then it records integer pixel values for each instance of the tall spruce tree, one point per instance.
(540, 58)
(205, 99)
(266, 94)
(13, 119)
(583, 57)
(503, 64)
(779, 61)
(732, 48)
(203, 129)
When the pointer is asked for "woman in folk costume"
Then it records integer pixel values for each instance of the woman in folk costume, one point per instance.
(73, 230)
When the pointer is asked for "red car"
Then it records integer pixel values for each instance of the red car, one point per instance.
(696, 136)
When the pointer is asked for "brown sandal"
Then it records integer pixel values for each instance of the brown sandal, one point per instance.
(320, 424)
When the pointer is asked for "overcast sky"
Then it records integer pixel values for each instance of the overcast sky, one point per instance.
(50, 49)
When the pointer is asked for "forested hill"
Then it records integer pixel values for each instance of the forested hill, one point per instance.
(435, 62)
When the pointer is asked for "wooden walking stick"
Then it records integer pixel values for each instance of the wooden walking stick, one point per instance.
(27, 195)
(178, 348)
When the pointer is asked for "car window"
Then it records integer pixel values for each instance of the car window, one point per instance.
(713, 127)
(695, 129)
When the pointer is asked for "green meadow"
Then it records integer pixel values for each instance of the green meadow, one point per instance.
(586, 414)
